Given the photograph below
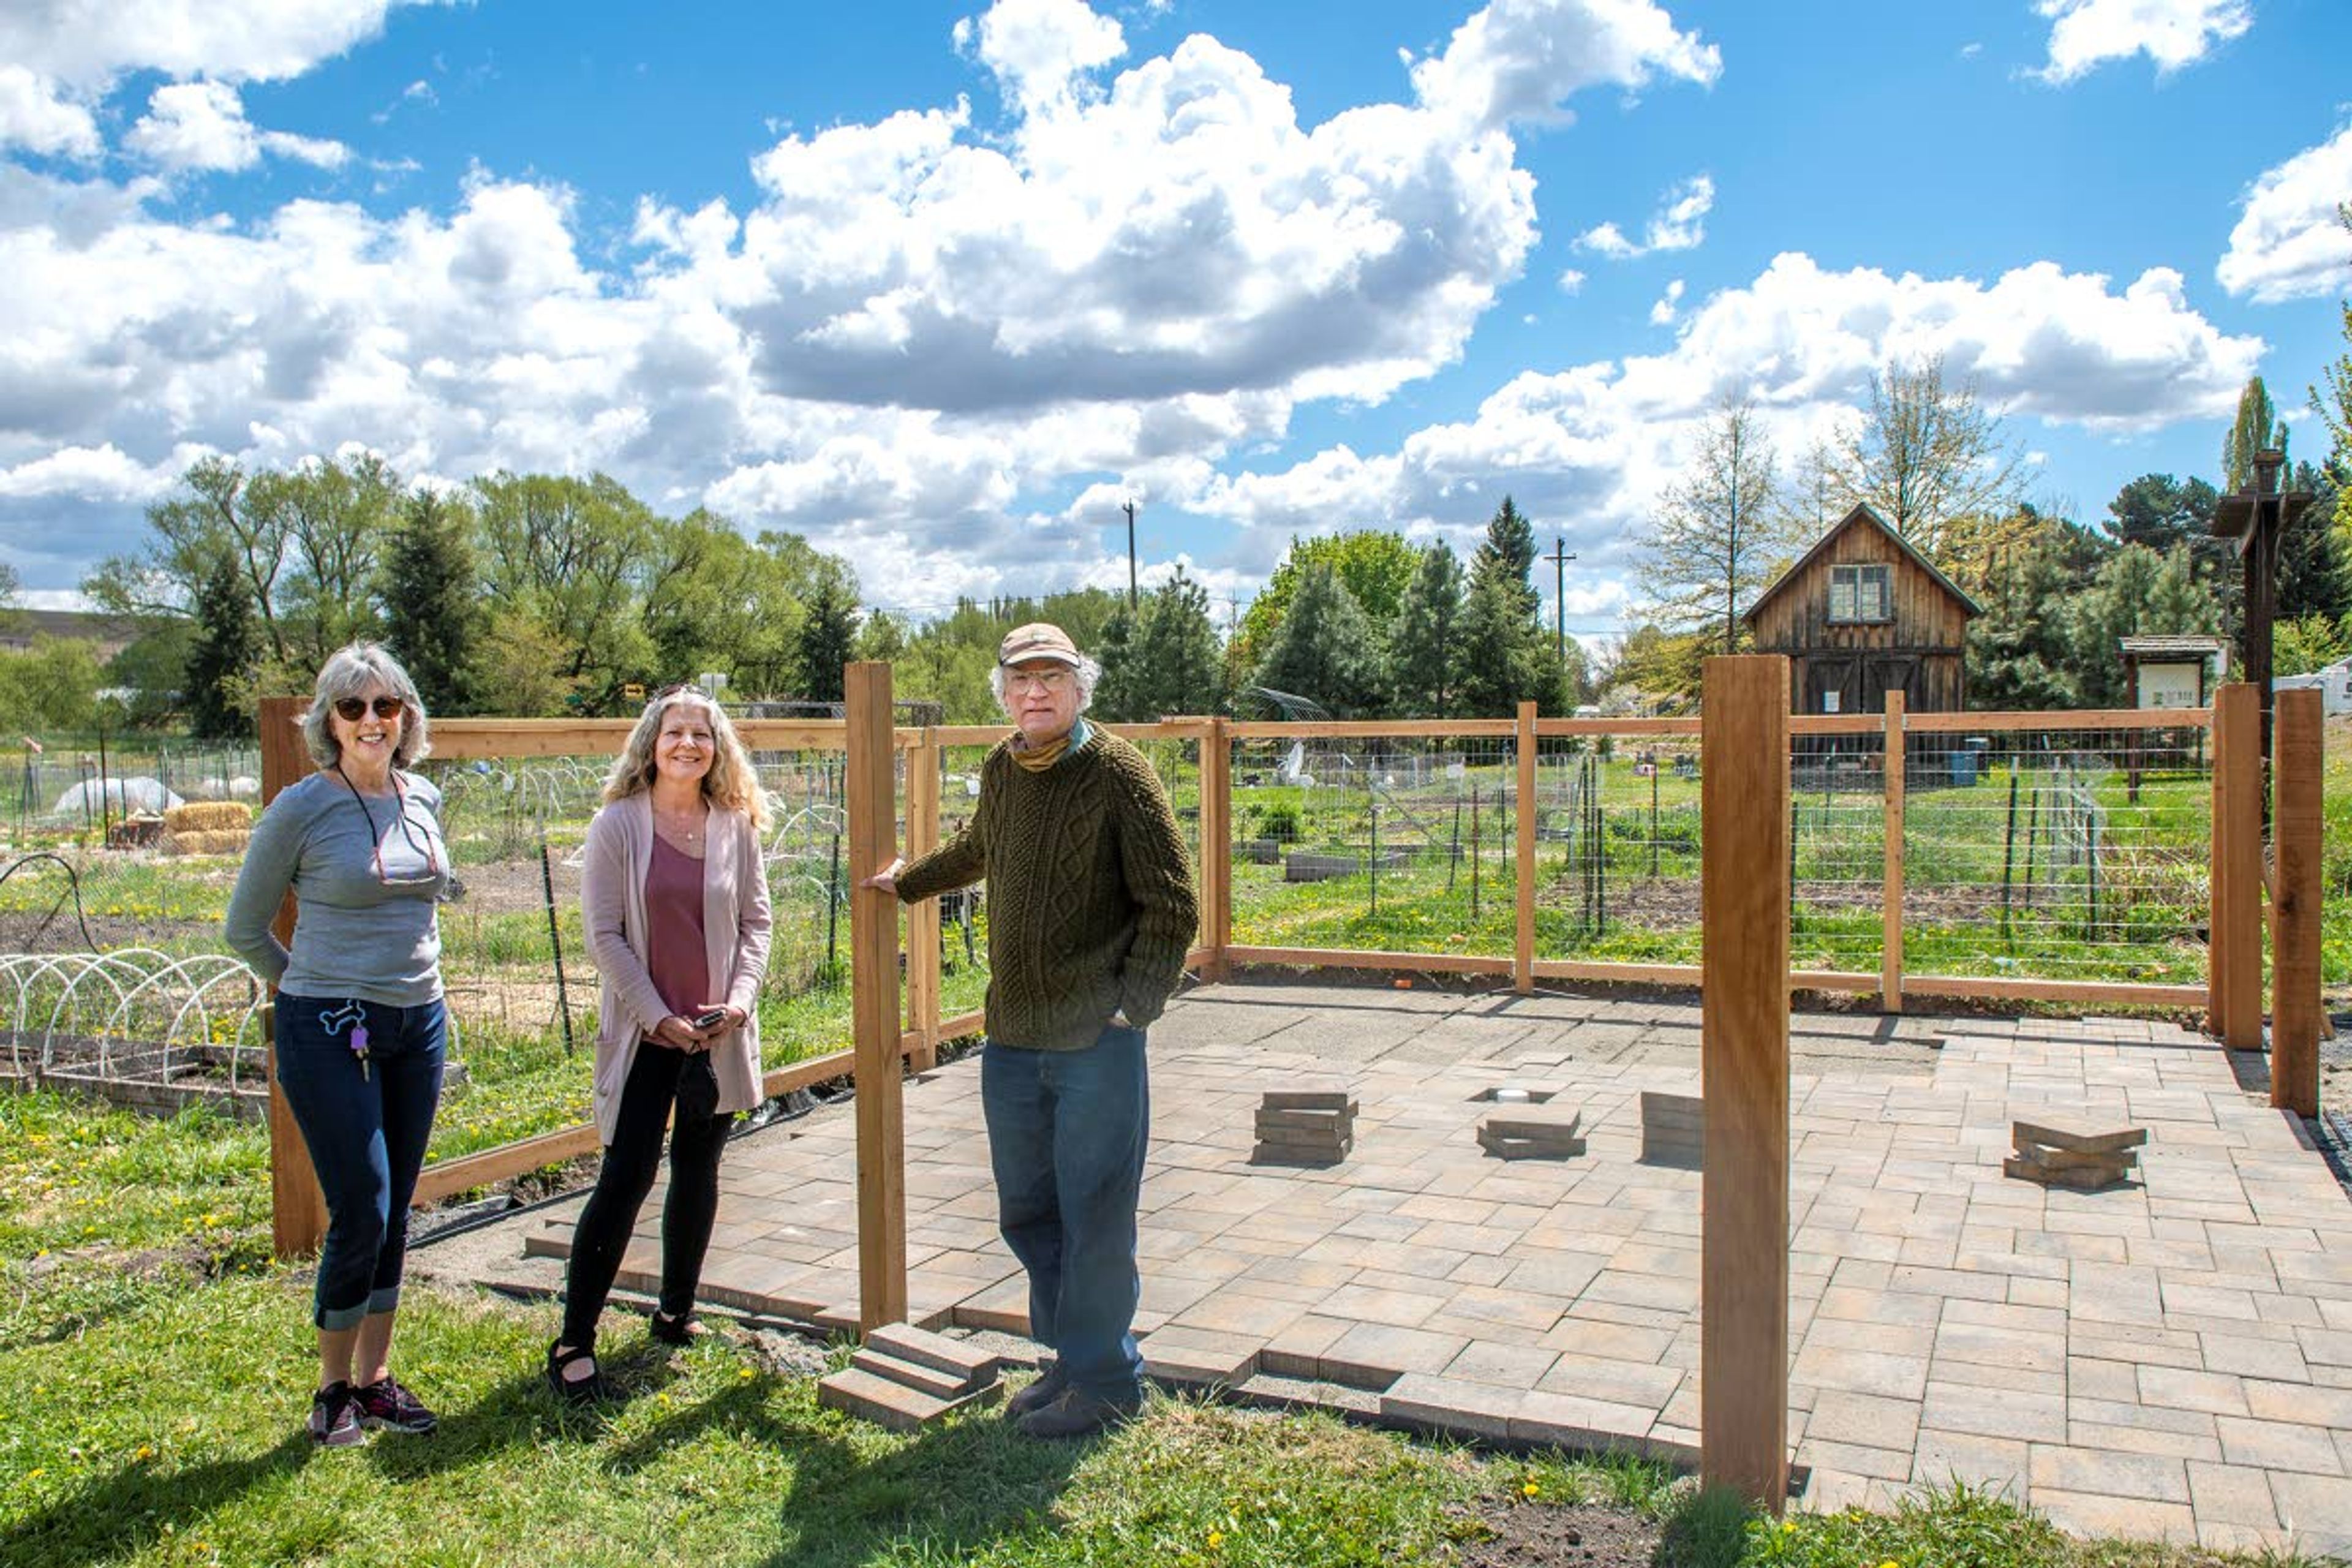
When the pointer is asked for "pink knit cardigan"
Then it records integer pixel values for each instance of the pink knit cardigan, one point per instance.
(735, 921)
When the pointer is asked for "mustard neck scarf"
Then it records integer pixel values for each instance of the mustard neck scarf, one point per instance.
(1037, 758)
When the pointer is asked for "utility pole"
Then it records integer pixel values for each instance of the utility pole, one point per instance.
(1130, 559)
(1560, 558)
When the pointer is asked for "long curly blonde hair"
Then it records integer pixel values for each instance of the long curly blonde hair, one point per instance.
(731, 782)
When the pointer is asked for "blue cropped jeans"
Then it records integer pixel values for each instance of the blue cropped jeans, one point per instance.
(1068, 1131)
(366, 1130)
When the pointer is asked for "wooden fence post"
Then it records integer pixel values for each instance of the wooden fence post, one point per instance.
(923, 918)
(1216, 850)
(1522, 962)
(1744, 1069)
(872, 804)
(298, 1209)
(2298, 738)
(2235, 984)
(1890, 962)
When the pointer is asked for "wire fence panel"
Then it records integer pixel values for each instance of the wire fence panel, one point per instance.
(2059, 854)
(1617, 848)
(1837, 851)
(1388, 843)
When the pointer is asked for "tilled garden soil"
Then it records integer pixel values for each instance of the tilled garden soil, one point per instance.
(1558, 1535)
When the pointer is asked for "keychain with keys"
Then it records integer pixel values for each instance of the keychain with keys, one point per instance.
(352, 1015)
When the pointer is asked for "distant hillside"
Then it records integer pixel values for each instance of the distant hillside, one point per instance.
(111, 632)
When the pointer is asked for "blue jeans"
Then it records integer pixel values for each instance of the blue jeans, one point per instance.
(366, 1133)
(1067, 1135)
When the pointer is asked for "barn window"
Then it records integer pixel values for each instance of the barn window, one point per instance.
(1862, 594)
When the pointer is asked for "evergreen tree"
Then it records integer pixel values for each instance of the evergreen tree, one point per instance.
(2256, 426)
(828, 641)
(2019, 656)
(2312, 574)
(1123, 695)
(1422, 651)
(1174, 651)
(1506, 659)
(222, 657)
(1325, 648)
(432, 600)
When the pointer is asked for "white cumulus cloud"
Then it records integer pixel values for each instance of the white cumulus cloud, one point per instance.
(201, 125)
(2085, 34)
(1678, 223)
(1519, 61)
(34, 115)
(88, 43)
(2288, 245)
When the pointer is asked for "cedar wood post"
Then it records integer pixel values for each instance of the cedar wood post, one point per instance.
(2296, 824)
(1522, 962)
(1890, 965)
(1216, 850)
(923, 918)
(2234, 986)
(1744, 1068)
(298, 1209)
(874, 998)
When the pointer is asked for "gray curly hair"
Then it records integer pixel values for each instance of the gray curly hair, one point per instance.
(1085, 670)
(354, 671)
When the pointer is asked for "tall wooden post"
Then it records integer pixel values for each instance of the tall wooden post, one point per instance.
(2234, 986)
(874, 1002)
(923, 918)
(1216, 849)
(1744, 1066)
(2295, 823)
(1523, 963)
(298, 1209)
(1890, 962)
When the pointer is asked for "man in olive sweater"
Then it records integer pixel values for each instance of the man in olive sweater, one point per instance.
(1091, 910)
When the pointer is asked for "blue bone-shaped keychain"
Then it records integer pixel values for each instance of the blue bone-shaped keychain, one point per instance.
(354, 1016)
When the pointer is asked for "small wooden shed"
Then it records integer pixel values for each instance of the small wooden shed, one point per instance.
(1861, 614)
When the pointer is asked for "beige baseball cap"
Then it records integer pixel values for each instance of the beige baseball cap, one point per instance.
(1038, 639)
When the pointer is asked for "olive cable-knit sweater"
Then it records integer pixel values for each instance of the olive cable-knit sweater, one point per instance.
(1090, 900)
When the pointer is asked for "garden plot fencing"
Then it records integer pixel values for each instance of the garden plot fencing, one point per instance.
(2062, 857)
(65, 792)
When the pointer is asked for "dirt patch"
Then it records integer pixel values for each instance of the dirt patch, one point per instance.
(1539, 1534)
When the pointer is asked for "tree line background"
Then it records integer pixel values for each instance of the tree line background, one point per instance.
(539, 594)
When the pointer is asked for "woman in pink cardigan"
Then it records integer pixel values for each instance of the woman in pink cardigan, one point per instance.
(675, 895)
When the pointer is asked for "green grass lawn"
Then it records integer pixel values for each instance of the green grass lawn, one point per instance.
(169, 1433)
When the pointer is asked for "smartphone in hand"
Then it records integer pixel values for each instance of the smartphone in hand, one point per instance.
(711, 1020)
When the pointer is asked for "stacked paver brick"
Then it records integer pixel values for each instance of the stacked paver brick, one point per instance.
(1532, 1133)
(1304, 1126)
(2085, 1160)
(904, 1378)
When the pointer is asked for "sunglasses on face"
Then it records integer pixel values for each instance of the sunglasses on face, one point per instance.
(355, 708)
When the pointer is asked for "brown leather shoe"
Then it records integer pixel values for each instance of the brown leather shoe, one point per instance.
(1078, 1413)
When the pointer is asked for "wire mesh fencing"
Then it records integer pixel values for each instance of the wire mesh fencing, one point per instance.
(1391, 844)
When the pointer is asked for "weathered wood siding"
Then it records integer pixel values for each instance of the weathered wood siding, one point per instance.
(1919, 652)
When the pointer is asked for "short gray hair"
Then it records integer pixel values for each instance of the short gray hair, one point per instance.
(350, 672)
(1085, 670)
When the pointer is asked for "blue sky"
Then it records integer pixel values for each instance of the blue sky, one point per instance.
(939, 285)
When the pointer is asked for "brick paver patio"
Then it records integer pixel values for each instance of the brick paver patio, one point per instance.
(2172, 1358)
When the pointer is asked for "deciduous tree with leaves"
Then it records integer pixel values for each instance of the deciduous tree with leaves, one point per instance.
(1719, 531)
(1927, 453)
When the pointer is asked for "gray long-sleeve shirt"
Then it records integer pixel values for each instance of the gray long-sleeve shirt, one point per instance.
(356, 936)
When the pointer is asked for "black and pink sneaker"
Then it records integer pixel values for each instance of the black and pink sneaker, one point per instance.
(335, 1416)
(387, 1403)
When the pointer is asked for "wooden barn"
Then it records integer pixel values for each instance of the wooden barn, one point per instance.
(1863, 614)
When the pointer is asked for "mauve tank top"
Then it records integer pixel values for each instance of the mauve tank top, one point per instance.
(677, 962)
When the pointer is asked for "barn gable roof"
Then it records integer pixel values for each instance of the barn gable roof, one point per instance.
(1863, 512)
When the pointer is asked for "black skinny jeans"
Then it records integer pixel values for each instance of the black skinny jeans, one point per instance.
(626, 1176)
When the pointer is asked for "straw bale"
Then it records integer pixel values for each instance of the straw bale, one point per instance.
(209, 816)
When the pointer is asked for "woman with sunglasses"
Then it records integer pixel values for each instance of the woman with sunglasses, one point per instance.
(360, 1026)
(675, 892)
